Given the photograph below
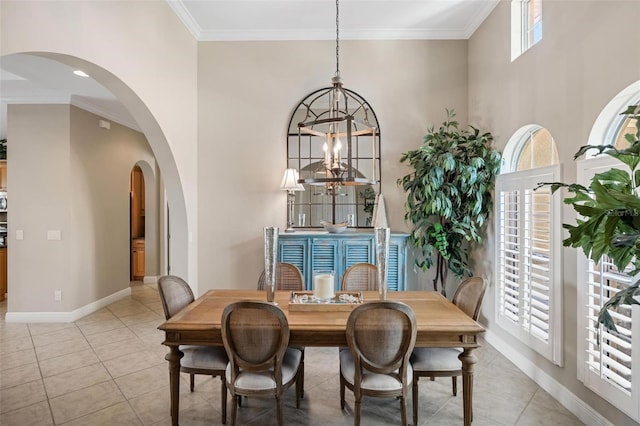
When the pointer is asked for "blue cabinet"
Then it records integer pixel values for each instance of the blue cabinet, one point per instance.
(314, 251)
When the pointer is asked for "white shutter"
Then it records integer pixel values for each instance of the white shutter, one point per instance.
(528, 268)
(606, 358)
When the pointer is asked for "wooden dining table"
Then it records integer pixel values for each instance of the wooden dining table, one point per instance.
(439, 324)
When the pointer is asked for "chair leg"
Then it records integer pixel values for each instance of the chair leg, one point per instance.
(299, 388)
(234, 409)
(279, 410)
(403, 409)
(191, 381)
(302, 375)
(415, 399)
(454, 379)
(223, 391)
(356, 418)
(341, 392)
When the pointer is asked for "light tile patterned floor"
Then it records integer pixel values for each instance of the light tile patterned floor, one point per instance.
(108, 369)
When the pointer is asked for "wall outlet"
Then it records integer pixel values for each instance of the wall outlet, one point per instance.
(57, 295)
(54, 235)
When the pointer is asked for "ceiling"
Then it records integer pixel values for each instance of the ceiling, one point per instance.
(32, 79)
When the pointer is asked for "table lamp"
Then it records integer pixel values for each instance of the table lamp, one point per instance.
(290, 184)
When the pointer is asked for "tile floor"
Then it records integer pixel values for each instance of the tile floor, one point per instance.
(109, 369)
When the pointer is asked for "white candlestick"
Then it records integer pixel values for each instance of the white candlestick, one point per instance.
(323, 286)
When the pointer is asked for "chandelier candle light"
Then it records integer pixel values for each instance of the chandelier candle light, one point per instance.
(290, 184)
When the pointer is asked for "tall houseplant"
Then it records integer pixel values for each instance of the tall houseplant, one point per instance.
(609, 209)
(449, 195)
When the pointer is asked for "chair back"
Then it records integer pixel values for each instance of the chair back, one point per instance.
(360, 277)
(381, 335)
(288, 277)
(255, 336)
(175, 294)
(468, 296)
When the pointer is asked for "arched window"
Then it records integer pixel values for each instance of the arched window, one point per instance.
(528, 242)
(607, 359)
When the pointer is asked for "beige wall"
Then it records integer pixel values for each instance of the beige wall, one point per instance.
(246, 93)
(101, 163)
(562, 84)
(67, 174)
(40, 193)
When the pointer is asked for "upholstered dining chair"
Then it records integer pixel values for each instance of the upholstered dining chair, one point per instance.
(444, 362)
(288, 277)
(360, 277)
(256, 336)
(381, 335)
(175, 294)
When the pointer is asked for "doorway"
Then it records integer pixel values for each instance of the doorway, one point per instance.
(137, 224)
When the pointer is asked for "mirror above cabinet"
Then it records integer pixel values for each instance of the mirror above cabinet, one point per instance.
(333, 141)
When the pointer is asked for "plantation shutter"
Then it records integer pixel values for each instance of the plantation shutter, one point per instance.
(528, 296)
(606, 357)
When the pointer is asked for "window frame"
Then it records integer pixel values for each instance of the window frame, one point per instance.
(523, 26)
(591, 379)
(522, 181)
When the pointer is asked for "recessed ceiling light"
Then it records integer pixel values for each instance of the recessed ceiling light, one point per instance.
(81, 73)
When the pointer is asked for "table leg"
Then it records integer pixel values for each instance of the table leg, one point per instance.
(174, 357)
(468, 359)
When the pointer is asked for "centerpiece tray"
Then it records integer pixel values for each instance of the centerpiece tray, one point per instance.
(305, 301)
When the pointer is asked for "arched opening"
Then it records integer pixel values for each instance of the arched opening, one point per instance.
(164, 170)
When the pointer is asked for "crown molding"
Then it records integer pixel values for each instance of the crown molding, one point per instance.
(248, 34)
(330, 34)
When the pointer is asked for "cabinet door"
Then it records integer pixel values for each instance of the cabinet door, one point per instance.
(356, 251)
(324, 257)
(3, 273)
(294, 251)
(396, 278)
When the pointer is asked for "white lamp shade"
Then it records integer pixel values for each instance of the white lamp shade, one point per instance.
(290, 181)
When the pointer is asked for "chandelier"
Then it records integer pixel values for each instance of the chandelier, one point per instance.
(337, 117)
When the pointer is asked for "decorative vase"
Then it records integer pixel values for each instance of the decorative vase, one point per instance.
(382, 236)
(270, 255)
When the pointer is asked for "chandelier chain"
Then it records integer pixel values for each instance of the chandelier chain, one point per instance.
(337, 39)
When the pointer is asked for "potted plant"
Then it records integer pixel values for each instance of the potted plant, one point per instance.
(609, 209)
(449, 196)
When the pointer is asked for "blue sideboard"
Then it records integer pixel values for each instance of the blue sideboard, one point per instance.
(319, 250)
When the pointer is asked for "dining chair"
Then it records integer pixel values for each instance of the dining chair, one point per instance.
(256, 335)
(360, 277)
(381, 335)
(444, 362)
(288, 277)
(175, 294)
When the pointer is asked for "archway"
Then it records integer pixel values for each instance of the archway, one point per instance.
(161, 150)
(159, 145)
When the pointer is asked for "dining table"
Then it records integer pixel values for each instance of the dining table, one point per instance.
(439, 323)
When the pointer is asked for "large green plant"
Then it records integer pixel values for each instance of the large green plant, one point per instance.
(449, 195)
(609, 210)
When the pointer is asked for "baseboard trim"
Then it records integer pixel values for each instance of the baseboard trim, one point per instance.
(72, 316)
(564, 396)
(151, 279)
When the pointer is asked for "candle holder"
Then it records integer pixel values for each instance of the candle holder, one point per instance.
(381, 236)
(324, 285)
(270, 255)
